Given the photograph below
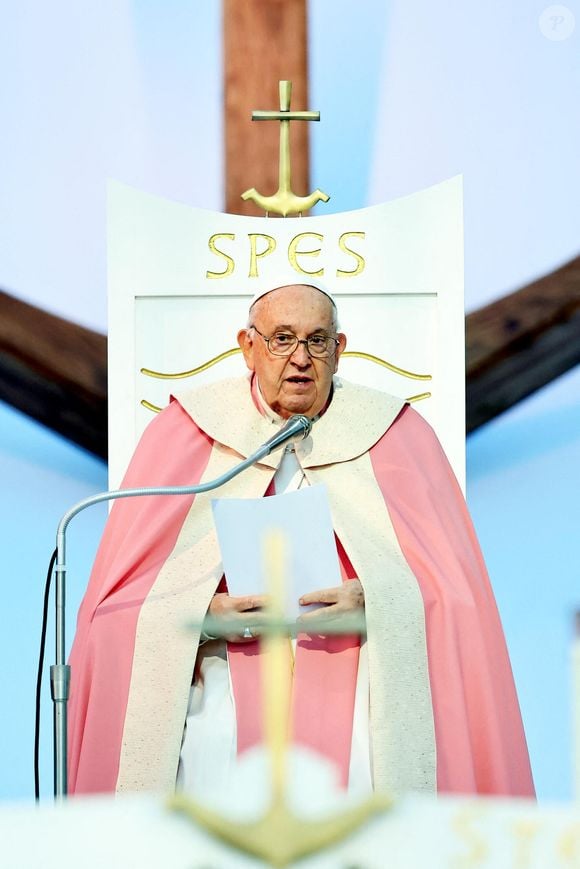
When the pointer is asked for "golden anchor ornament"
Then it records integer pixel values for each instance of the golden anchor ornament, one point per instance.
(284, 201)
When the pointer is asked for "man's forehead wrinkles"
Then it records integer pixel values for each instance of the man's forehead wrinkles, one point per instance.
(286, 327)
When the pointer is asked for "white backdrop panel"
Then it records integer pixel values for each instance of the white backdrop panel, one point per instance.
(180, 280)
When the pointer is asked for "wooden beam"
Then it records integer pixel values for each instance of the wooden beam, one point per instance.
(522, 342)
(54, 371)
(265, 41)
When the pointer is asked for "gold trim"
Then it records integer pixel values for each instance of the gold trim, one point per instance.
(353, 354)
(359, 354)
(181, 374)
(148, 406)
(421, 396)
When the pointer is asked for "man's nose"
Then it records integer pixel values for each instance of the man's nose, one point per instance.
(301, 356)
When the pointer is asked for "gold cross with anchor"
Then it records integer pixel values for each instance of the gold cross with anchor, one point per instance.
(279, 836)
(284, 201)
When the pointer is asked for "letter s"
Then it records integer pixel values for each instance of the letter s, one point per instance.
(230, 265)
(360, 262)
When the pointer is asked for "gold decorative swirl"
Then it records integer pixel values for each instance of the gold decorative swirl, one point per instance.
(355, 354)
(420, 397)
(358, 354)
(148, 406)
(182, 374)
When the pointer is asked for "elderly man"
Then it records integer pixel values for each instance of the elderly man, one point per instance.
(426, 703)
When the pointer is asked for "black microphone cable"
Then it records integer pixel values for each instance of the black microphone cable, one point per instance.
(39, 676)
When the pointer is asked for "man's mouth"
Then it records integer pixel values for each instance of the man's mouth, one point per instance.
(298, 379)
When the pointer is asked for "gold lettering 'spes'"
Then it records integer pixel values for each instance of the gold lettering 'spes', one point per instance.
(302, 245)
(360, 262)
(255, 255)
(294, 253)
(230, 265)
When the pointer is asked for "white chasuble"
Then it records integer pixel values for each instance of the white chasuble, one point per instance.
(336, 453)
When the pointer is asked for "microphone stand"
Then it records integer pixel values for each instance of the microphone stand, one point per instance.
(60, 671)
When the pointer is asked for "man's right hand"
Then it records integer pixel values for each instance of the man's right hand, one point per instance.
(245, 610)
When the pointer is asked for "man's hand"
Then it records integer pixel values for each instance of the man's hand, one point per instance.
(246, 610)
(346, 598)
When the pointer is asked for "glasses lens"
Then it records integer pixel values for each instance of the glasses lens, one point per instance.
(283, 343)
(319, 345)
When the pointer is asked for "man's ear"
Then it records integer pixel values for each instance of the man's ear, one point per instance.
(247, 347)
(340, 347)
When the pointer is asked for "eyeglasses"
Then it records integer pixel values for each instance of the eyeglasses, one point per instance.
(285, 343)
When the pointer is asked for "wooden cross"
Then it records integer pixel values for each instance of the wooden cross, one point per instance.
(265, 41)
(55, 371)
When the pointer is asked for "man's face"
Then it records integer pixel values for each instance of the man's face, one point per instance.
(299, 383)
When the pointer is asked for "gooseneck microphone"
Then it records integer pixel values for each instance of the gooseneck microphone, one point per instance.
(298, 426)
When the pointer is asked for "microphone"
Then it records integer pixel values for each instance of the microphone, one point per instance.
(297, 426)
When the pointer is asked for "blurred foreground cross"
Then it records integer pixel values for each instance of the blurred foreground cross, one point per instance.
(280, 836)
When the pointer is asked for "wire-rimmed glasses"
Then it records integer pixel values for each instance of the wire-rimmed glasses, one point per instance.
(285, 343)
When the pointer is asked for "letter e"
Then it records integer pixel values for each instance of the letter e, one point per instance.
(294, 253)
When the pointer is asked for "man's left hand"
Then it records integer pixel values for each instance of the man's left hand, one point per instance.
(343, 599)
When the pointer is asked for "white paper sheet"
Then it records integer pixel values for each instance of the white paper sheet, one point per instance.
(303, 517)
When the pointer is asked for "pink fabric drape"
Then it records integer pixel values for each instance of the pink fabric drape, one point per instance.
(325, 679)
(138, 539)
(480, 742)
(481, 746)
(323, 691)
